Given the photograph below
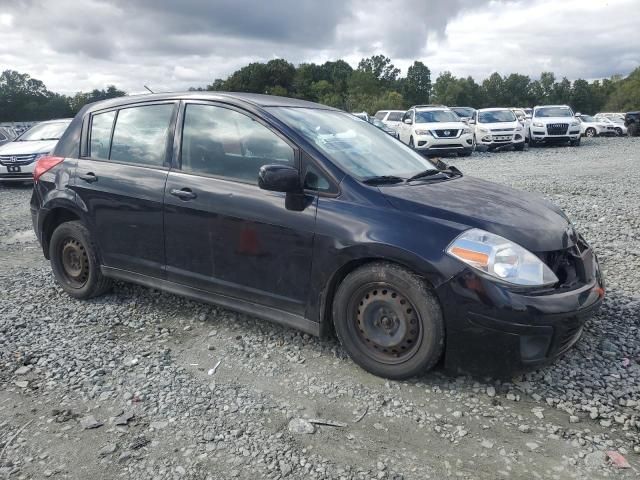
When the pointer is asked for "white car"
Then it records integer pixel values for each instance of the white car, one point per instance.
(436, 130)
(497, 127)
(391, 118)
(18, 158)
(592, 127)
(616, 122)
(362, 115)
(611, 115)
(554, 123)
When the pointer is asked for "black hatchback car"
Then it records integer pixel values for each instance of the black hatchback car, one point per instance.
(305, 215)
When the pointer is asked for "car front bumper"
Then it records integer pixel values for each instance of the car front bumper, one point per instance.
(432, 146)
(24, 175)
(490, 141)
(495, 330)
(542, 136)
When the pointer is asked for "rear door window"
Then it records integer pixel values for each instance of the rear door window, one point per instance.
(380, 115)
(101, 127)
(141, 134)
(222, 142)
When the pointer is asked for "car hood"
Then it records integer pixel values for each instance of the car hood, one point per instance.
(26, 148)
(522, 217)
(441, 126)
(500, 125)
(553, 119)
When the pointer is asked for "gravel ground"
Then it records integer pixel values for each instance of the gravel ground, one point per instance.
(144, 384)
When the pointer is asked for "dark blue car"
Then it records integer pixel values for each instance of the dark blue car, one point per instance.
(305, 215)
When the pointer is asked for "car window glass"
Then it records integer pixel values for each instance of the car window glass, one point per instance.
(315, 180)
(141, 134)
(380, 115)
(2, 137)
(222, 142)
(101, 125)
(394, 117)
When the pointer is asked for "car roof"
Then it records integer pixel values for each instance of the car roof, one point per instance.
(427, 109)
(255, 99)
(56, 120)
(552, 106)
(496, 109)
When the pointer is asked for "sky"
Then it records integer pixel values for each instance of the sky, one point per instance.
(75, 45)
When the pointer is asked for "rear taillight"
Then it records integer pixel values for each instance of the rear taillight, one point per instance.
(44, 164)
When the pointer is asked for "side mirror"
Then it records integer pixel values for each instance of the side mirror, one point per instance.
(279, 178)
(471, 121)
(527, 117)
(408, 121)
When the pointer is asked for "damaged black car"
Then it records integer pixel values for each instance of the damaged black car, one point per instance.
(301, 214)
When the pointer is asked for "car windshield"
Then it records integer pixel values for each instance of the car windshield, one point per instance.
(436, 116)
(395, 117)
(553, 112)
(463, 112)
(496, 116)
(587, 118)
(44, 131)
(357, 147)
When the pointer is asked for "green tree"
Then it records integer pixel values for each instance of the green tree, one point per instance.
(416, 88)
(381, 68)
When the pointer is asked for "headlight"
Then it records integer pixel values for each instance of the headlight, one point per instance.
(538, 124)
(574, 124)
(519, 126)
(40, 155)
(483, 130)
(466, 131)
(423, 132)
(500, 258)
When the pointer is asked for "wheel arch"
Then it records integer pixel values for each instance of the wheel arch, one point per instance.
(426, 271)
(55, 217)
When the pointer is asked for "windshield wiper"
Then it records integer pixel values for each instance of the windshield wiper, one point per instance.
(451, 170)
(382, 179)
(43, 139)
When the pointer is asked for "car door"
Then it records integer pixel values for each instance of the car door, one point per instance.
(120, 179)
(223, 233)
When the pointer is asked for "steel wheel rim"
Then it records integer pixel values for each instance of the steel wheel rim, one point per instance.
(386, 324)
(75, 262)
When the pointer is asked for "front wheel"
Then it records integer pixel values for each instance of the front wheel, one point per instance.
(411, 145)
(575, 143)
(519, 147)
(74, 261)
(619, 131)
(590, 132)
(389, 321)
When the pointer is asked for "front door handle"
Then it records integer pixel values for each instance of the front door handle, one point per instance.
(89, 177)
(184, 194)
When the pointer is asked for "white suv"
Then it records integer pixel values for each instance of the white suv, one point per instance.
(497, 127)
(391, 118)
(435, 130)
(554, 123)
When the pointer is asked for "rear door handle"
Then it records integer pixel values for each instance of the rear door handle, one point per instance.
(184, 194)
(89, 177)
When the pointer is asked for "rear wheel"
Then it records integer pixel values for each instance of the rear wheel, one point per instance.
(618, 131)
(75, 263)
(389, 321)
(590, 132)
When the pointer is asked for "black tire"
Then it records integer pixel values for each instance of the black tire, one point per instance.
(575, 143)
(389, 321)
(74, 261)
(632, 130)
(466, 153)
(411, 145)
(519, 147)
(590, 132)
(618, 131)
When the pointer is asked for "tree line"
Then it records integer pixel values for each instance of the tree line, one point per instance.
(375, 84)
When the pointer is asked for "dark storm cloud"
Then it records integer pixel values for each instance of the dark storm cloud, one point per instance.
(174, 44)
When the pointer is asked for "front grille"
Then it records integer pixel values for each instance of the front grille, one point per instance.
(568, 264)
(557, 128)
(502, 129)
(17, 159)
(447, 133)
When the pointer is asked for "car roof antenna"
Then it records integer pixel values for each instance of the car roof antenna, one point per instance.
(148, 89)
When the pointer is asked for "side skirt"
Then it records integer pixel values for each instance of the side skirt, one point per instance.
(268, 313)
